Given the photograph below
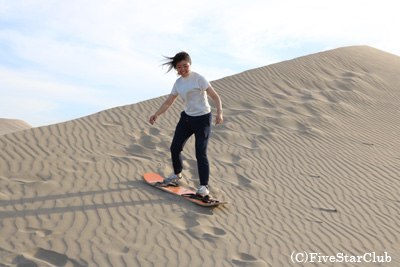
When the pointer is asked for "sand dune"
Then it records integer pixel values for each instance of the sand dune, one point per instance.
(10, 126)
(308, 157)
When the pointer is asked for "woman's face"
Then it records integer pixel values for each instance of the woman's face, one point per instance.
(183, 68)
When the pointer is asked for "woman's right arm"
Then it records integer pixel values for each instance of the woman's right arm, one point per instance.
(170, 100)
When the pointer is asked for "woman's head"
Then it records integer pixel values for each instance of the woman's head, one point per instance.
(180, 62)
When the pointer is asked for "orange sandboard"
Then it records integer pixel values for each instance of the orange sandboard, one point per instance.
(153, 178)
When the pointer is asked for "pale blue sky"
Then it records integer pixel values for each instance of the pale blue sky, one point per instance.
(61, 60)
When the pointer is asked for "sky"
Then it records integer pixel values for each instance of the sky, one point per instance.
(65, 59)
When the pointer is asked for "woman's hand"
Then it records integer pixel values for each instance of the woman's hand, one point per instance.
(219, 118)
(153, 119)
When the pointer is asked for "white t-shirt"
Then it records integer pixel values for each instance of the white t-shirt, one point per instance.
(192, 89)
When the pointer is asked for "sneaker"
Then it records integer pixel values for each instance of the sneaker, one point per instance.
(203, 191)
(173, 178)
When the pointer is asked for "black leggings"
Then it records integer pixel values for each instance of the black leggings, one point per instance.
(200, 126)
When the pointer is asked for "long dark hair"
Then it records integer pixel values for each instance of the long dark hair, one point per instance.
(172, 61)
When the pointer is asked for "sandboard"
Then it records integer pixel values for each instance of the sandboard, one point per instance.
(156, 180)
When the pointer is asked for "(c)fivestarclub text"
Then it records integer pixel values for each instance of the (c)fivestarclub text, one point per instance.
(313, 257)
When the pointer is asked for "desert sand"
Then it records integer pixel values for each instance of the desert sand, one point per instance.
(308, 157)
(11, 125)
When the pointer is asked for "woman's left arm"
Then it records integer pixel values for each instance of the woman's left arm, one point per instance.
(217, 100)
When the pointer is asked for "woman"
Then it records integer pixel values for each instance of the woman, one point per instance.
(195, 119)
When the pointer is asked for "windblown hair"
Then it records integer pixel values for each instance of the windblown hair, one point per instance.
(172, 61)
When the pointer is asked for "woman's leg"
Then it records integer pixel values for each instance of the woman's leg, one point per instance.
(202, 131)
(182, 134)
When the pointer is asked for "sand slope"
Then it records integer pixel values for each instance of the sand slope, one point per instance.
(10, 126)
(308, 156)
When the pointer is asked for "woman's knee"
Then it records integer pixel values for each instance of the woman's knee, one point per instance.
(175, 149)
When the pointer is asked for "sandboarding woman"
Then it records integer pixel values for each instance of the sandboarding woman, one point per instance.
(195, 119)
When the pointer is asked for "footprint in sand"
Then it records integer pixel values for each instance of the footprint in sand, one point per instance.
(241, 180)
(244, 259)
(111, 123)
(20, 260)
(51, 258)
(39, 232)
(214, 231)
(206, 232)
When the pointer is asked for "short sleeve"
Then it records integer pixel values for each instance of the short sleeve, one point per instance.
(204, 84)
(174, 91)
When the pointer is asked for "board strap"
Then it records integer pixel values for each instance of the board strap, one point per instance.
(205, 199)
(163, 184)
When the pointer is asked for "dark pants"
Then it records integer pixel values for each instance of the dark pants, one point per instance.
(200, 126)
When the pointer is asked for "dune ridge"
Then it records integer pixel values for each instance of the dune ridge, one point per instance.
(308, 157)
(10, 126)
